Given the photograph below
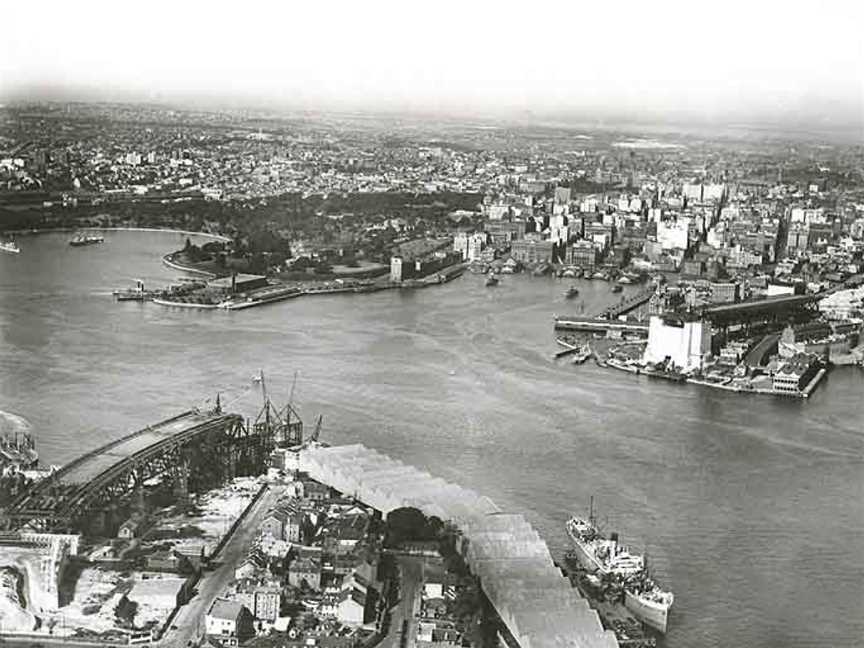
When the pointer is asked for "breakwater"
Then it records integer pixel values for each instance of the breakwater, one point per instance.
(511, 560)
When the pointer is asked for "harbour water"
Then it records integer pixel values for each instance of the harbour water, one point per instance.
(751, 508)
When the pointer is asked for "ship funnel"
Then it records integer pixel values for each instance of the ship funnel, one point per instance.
(613, 536)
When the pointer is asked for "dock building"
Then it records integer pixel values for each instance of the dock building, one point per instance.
(684, 341)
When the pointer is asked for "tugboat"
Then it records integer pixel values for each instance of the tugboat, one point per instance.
(572, 292)
(491, 280)
(81, 238)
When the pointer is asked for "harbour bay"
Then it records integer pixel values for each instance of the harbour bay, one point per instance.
(750, 508)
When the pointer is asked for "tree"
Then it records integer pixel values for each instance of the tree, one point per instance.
(410, 524)
(404, 524)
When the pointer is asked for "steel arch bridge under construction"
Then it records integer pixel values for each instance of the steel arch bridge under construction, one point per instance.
(186, 451)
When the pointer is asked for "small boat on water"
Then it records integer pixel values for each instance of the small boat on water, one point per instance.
(81, 238)
(491, 280)
(134, 294)
(582, 354)
(617, 288)
(9, 246)
(572, 291)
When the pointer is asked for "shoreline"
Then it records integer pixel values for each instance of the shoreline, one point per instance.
(274, 295)
(174, 265)
(761, 391)
(167, 230)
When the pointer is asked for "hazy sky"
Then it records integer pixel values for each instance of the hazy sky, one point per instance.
(724, 59)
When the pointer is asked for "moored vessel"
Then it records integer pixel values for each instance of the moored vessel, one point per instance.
(582, 354)
(616, 566)
(650, 604)
(81, 238)
(598, 553)
(9, 246)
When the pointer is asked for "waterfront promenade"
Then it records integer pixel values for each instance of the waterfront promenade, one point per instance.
(513, 563)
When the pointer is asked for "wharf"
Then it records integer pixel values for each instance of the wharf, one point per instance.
(259, 298)
(567, 350)
(725, 386)
(594, 324)
(613, 614)
(181, 304)
(630, 304)
(518, 575)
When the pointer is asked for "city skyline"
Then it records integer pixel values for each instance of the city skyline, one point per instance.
(667, 62)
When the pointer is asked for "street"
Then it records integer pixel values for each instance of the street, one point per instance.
(410, 583)
(190, 619)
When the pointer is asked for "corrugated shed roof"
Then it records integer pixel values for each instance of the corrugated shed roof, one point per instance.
(537, 604)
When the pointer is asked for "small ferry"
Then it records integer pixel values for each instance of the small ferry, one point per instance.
(138, 293)
(9, 246)
(81, 238)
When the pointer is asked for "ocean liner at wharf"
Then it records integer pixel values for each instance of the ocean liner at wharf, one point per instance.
(614, 562)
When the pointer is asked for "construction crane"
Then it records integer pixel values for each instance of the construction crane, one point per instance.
(293, 387)
(260, 379)
(317, 431)
(285, 425)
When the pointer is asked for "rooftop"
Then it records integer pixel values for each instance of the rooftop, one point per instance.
(222, 609)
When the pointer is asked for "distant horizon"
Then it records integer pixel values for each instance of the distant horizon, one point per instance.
(539, 117)
(669, 61)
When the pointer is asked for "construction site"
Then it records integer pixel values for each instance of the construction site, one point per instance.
(110, 545)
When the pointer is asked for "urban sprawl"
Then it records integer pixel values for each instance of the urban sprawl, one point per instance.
(317, 204)
(732, 262)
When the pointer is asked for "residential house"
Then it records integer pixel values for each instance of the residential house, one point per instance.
(167, 561)
(306, 570)
(229, 619)
(128, 530)
(274, 524)
(249, 566)
(359, 596)
(315, 491)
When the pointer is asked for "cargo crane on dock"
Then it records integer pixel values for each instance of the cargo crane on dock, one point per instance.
(284, 425)
(316, 433)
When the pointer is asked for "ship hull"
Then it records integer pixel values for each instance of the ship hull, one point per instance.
(651, 614)
(586, 559)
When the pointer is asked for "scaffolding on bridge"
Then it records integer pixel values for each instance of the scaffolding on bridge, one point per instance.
(189, 452)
